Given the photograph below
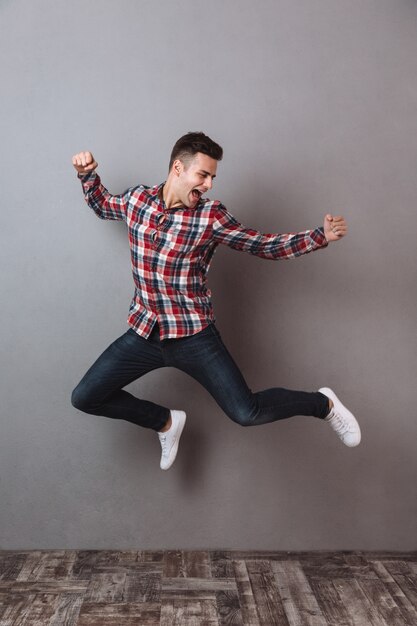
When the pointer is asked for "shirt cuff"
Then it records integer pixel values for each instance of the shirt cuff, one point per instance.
(87, 177)
(319, 238)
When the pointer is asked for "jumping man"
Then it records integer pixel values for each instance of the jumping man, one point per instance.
(173, 232)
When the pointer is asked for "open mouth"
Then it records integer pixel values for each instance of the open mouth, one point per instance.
(196, 194)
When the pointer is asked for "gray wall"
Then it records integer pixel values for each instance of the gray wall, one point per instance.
(315, 106)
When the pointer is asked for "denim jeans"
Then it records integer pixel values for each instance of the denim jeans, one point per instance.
(204, 357)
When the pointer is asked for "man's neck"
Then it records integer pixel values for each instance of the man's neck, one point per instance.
(169, 196)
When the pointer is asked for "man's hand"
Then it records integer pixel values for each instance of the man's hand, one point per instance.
(334, 227)
(84, 162)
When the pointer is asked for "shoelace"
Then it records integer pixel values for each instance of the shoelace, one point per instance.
(163, 440)
(338, 423)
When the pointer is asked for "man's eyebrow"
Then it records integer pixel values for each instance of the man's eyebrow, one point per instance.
(208, 173)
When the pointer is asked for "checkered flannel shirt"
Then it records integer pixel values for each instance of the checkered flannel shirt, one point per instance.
(171, 251)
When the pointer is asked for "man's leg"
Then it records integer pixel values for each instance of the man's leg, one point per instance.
(100, 390)
(204, 357)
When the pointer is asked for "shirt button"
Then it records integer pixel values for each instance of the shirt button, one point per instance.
(161, 219)
(154, 236)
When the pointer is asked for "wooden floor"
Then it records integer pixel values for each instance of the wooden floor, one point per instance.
(102, 588)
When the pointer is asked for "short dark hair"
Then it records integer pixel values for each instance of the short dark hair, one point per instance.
(188, 145)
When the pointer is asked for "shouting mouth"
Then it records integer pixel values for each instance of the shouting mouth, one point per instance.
(196, 194)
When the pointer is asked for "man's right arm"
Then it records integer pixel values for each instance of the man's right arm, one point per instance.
(105, 205)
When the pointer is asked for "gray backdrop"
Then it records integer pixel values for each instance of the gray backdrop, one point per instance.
(314, 103)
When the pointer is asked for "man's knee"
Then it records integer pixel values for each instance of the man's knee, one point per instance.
(80, 399)
(242, 416)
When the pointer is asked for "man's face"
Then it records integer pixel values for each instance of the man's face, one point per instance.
(195, 178)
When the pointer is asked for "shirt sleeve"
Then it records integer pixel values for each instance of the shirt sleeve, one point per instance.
(103, 203)
(227, 230)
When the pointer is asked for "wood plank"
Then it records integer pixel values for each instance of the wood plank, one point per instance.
(119, 557)
(67, 610)
(173, 564)
(119, 614)
(408, 585)
(196, 564)
(337, 566)
(138, 568)
(145, 619)
(88, 561)
(38, 611)
(245, 594)
(84, 564)
(328, 566)
(107, 557)
(30, 566)
(360, 566)
(334, 611)
(221, 564)
(169, 595)
(193, 613)
(360, 609)
(11, 565)
(228, 608)
(167, 612)
(53, 565)
(380, 597)
(298, 600)
(12, 610)
(65, 565)
(119, 609)
(403, 575)
(268, 555)
(151, 556)
(267, 599)
(206, 584)
(407, 609)
(106, 587)
(142, 587)
(122, 615)
(45, 586)
(398, 566)
(396, 556)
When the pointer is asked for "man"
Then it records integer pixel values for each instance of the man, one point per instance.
(173, 232)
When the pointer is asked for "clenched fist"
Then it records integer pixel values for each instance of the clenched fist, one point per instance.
(334, 227)
(84, 162)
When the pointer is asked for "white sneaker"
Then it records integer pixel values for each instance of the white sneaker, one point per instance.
(171, 439)
(342, 420)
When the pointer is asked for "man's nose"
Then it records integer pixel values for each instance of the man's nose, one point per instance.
(208, 183)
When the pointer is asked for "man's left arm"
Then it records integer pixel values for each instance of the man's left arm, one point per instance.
(229, 231)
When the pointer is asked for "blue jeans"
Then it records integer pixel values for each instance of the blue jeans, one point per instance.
(204, 357)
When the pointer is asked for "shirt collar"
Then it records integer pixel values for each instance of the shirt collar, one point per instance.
(156, 195)
(156, 192)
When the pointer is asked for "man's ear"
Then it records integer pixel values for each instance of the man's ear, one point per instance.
(178, 166)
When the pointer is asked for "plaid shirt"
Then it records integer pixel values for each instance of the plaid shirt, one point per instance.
(171, 251)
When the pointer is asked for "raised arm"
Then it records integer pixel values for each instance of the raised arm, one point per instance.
(104, 204)
(229, 231)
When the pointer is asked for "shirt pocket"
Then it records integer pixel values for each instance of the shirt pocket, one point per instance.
(186, 238)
